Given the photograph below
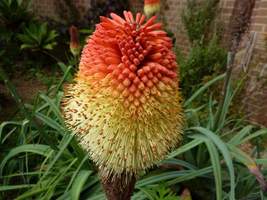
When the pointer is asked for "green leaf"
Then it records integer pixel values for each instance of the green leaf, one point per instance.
(190, 174)
(14, 187)
(31, 193)
(216, 165)
(202, 89)
(160, 177)
(210, 124)
(67, 76)
(65, 142)
(262, 161)
(178, 162)
(160, 192)
(54, 108)
(185, 148)
(75, 173)
(40, 149)
(50, 122)
(26, 46)
(254, 135)
(48, 46)
(79, 183)
(241, 156)
(223, 109)
(237, 139)
(5, 124)
(225, 152)
(56, 180)
(65, 69)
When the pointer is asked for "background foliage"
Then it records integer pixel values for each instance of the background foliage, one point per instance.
(206, 57)
(222, 156)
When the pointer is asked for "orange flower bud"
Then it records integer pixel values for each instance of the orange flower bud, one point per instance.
(151, 7)
(74, 41)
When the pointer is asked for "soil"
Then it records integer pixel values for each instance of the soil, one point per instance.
(26, 89)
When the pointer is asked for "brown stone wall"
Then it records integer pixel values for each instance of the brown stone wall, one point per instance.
(44, 8)
(256, 88)
(172, 17)
(49, 8)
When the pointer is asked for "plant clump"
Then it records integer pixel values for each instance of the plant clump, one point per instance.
(206, 57)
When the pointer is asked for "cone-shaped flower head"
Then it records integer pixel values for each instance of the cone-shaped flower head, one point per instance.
(125, 103)
(151, 7)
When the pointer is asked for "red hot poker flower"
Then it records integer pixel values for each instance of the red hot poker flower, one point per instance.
(125, 105)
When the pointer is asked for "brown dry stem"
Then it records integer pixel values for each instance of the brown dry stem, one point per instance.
(119, 188)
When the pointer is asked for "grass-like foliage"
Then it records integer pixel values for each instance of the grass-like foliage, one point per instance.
(203, 62)
(198, 19)
(206, 58)
(40, 159)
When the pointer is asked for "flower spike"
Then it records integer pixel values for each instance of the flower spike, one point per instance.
(124, 106)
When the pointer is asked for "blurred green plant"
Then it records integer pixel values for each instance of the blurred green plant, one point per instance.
(206, 57)
(38, 37)
(198, 19)
(202, 62)
(14, 13)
